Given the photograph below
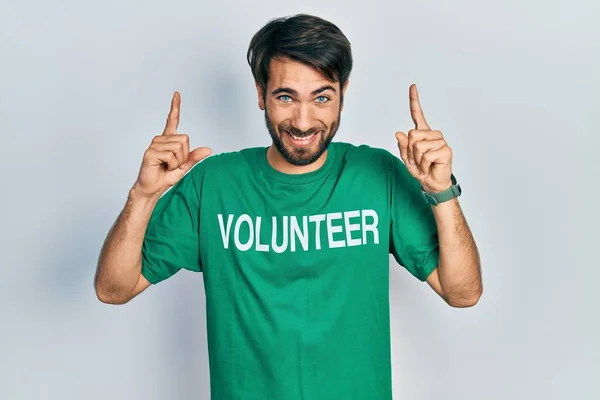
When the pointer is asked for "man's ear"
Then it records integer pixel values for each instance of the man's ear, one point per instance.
(344, 93)
(261, 97)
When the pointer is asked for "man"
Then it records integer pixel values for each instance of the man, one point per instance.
(294, 239)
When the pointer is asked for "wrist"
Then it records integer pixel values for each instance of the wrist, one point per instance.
(139, 197)
(437, 188)
(441, 193)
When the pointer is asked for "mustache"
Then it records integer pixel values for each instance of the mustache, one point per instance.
(299, 133)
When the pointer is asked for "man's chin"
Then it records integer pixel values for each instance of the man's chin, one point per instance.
(301, 161)
(302, 156)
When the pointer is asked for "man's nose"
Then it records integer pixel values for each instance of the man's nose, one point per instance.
(302, 119)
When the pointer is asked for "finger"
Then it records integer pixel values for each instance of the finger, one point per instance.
(196, 156)
(402, 145)
(415, 136)
(178, 148)
(416, 112)
(423, 147)
(434, 156)
(158, 157)
(173, 118)
(404, 153)
(180, 137)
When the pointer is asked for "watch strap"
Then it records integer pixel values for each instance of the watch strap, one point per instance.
(445, 195)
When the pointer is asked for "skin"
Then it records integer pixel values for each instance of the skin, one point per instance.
(168, 158)
(301, 101)
(428, 158)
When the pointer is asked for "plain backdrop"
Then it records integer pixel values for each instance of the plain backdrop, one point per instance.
(513, 86)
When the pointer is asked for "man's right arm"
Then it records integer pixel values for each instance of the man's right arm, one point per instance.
(119, 273)
(118, 277)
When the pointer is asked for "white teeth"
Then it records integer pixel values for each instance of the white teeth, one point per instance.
(304, 139)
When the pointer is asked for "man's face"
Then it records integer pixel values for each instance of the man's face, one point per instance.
(302, 110)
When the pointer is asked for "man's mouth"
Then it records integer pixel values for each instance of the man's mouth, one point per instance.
(302, 139)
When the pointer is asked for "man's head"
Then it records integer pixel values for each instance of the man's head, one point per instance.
(301, 66)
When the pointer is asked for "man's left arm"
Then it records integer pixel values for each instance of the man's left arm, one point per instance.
(458, 275)
(428, 158)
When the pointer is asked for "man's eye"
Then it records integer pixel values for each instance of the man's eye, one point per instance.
(322, 99)
(285, 98)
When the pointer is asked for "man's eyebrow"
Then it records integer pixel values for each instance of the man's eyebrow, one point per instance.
(292, 92)
(322, 89)
(286, 90)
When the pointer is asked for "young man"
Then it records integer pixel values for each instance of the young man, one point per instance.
(294, 239)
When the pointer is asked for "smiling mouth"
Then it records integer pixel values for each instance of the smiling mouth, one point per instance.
(302, 138)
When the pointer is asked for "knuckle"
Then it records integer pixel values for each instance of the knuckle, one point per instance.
(175, 147)
(148, 158)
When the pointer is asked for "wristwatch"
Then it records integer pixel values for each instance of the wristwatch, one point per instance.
(445, 195)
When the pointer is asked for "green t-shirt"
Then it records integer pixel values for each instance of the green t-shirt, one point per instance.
(296, 268)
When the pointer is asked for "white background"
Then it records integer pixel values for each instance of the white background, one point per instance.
(513, 86)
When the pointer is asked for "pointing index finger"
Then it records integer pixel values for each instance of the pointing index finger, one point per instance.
(173, 118)
(416, 112)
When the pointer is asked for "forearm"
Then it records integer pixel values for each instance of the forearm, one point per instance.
(120, 261)
(459, 268)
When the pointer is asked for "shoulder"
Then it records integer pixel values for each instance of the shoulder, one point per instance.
(377, 163)
(233, 158)
(374, 158)
(227, 162)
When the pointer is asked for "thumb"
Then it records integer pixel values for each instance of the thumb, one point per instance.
(402, 145)
(196, 156)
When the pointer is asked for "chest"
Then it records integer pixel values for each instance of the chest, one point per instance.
(258, 230)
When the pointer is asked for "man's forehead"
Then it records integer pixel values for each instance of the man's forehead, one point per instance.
(286, 72)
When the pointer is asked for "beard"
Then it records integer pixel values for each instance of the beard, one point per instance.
(300, 155)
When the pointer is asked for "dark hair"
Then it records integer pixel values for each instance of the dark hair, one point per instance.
(303, 38)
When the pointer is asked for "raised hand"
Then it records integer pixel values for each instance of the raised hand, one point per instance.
(168, 158)
(424, 151)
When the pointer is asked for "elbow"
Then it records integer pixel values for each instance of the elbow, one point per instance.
(107, 297)
(464, 300)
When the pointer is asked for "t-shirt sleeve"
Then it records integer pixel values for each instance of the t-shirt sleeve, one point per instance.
(413, 230)
(171, 240)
